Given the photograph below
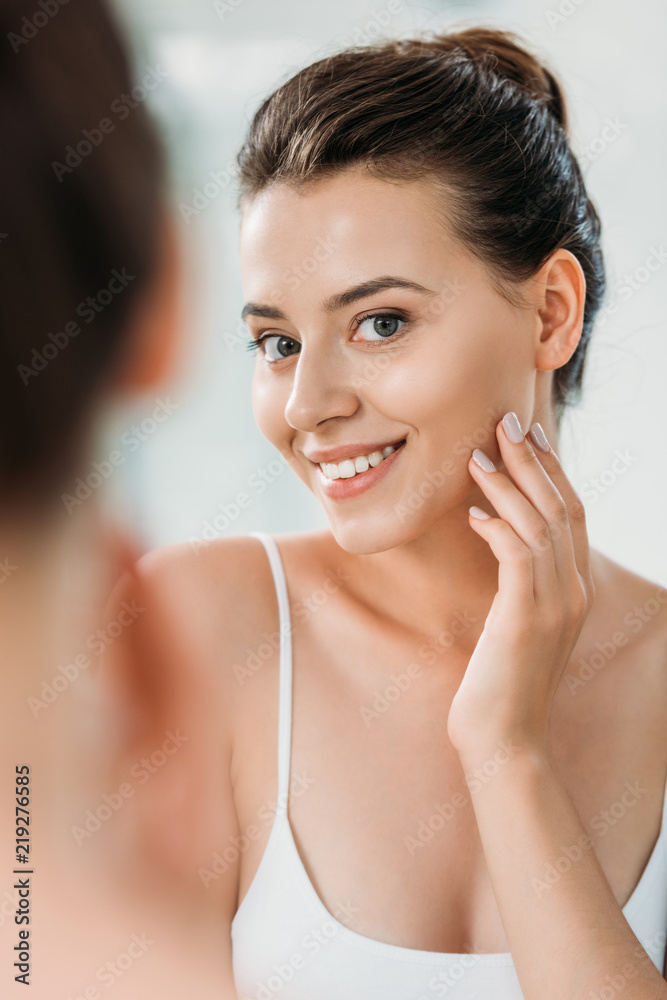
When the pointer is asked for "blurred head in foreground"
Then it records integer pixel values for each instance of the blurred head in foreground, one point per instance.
(88, 313)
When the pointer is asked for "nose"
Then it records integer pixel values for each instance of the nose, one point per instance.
(321, 389)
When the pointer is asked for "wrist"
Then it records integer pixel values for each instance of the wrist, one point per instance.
(483, 759)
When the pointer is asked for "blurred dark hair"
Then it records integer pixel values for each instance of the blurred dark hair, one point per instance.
(67, 222)
(473, 109)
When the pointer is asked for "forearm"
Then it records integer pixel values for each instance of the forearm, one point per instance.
(568, 936)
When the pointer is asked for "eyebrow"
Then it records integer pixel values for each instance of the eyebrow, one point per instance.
(342, 299)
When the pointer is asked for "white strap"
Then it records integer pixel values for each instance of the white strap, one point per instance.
(285, 694)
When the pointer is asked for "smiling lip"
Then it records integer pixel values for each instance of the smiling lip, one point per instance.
(348, 489)
(347, 451)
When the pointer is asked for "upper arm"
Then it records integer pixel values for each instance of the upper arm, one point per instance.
(170, 672)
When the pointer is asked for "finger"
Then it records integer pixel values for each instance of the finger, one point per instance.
(515, 559)
(528, 524)
(576, 511)
(533, 480)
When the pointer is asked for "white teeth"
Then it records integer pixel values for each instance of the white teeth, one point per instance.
(349, 467)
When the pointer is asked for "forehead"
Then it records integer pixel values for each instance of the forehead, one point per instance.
(344, 228)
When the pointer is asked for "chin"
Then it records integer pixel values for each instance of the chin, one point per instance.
(375, 532)
(357, 538)
(382, 528)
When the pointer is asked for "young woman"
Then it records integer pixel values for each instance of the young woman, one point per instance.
(446, 733)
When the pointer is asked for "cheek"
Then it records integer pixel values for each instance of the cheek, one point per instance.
(447, 382)
(269, 408)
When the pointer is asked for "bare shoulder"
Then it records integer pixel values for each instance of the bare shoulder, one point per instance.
(633, 603)
(625, 634)
(238, 561)
(211, 567)
(228, 583)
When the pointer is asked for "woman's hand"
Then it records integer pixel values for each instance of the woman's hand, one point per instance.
(545, 591)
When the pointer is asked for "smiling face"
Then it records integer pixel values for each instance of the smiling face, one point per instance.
(376, 328)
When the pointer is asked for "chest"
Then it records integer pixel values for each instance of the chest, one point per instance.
(380, 808)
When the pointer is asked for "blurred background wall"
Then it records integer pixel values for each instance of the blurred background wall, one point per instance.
(215, 61)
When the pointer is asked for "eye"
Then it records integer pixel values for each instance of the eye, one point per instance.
(275, 346)
(380, 326)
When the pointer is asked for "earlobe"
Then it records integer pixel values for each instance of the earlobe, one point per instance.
(562, 291)
(152, 342)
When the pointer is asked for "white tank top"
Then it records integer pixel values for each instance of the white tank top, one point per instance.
(286, 944)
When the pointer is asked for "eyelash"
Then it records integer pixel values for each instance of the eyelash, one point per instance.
(254, 344)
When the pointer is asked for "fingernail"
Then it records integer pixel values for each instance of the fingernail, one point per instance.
(483, 460)
(513, 427)
(538, 437)
(479, 513)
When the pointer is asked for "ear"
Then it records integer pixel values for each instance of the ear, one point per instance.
(561, 293)
(153, 339)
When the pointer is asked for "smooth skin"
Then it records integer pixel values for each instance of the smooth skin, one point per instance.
(495, 613)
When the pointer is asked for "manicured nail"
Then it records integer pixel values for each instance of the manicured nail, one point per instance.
(538, 437)
(513, 427)
(483, 460)
(479, 513)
